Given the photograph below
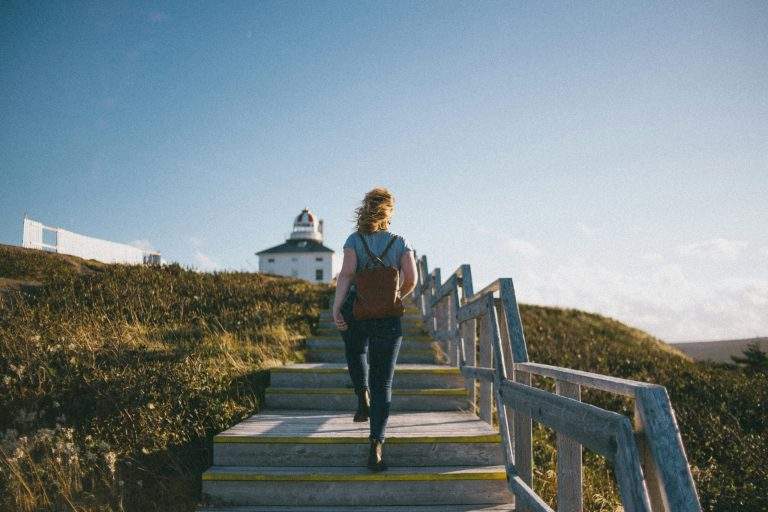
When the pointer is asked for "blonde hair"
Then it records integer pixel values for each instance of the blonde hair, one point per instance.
(375, 211)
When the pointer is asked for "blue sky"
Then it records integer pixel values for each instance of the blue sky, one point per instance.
(606, 156)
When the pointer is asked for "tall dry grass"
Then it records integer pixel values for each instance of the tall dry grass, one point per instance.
(113, 379)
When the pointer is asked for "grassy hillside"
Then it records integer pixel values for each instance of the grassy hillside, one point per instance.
(721, 410)
(113, 378)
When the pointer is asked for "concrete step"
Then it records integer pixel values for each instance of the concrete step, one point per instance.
(336, 335)
(414, 321)
(316, 438)
(336, 375)
(408, 328)
(356, 485)
(382, 508)
(336, 342)
(344, 399)
(408, 317)
(490, 507)
(405, 355)
(331, 330)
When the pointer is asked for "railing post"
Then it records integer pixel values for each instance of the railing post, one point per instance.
(649, 467)
(523, 435)
(513, 320)
(435, 283)
(670, 471)
(447, 341)
(628, 470)
(426, 294)
(442, 320)
(468, 335)
(421, 281)
(486, 360)
(455, 327)
(500, 375)
(569, 466)
(515, 342)
(505, 346)
(469, 340)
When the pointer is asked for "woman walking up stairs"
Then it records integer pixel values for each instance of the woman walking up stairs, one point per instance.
(317, 445)
(381, 336)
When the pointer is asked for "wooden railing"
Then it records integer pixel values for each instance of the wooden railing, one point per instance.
(482, 334)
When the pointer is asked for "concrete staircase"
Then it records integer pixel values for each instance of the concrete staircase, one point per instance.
(304, 453)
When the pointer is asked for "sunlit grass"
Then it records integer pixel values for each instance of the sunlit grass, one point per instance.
(115, 378)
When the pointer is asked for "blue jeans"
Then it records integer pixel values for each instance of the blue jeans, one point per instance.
(384, 336)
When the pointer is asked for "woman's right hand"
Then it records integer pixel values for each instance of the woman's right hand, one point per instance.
(341, 324)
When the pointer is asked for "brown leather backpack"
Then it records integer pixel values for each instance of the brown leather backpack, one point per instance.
(378, 288)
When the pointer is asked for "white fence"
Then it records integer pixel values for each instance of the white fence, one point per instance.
(39, 236)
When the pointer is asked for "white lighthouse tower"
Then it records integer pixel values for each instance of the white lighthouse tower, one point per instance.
(303, 254)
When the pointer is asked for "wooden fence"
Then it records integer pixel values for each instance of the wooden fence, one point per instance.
(482, 334)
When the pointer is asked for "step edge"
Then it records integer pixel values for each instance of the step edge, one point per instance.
(351, 391)
(335, 335)
(439, 371)
(463, 439)
(222, 476)
(403, 350)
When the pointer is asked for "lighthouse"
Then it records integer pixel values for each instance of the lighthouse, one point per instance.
(303, 254)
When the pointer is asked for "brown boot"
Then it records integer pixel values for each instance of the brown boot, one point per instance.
(375, 456)
(363, 405)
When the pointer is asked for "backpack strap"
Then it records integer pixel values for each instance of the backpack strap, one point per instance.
(371, 257)
(391, 240)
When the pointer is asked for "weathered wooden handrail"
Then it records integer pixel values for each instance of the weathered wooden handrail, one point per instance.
(593, 380)
(483, 336)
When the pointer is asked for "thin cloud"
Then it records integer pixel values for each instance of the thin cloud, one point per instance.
(652, 257)
(522, 247)
(204, 262)
(666, 300)
(143, 244)
(585, 229)
(671, 295)
(715, 249)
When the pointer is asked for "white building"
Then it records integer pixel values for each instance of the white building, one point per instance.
(37, 235)
(303, 254)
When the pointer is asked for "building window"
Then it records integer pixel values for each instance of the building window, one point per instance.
(319, 258)
(270, 260)
(319, 274)
(294, 259)
(50, 237)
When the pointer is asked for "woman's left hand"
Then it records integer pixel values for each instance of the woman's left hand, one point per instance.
(341, 324)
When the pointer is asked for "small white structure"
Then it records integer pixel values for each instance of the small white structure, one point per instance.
(39, 236)
(303, 254)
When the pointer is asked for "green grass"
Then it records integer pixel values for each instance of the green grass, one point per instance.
(114, 378)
